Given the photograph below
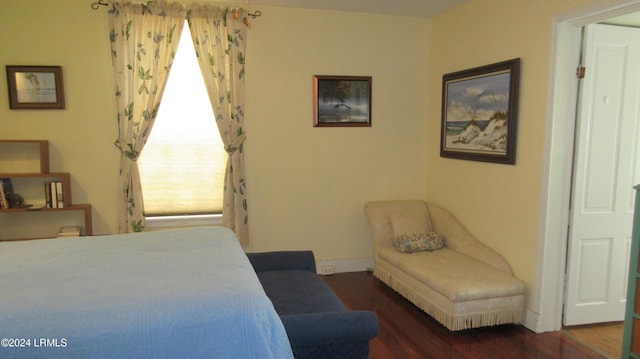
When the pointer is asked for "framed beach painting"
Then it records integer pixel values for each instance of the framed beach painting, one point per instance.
(479, 113)
(341, 101)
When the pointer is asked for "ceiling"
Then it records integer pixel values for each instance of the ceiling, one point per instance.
(422, 8)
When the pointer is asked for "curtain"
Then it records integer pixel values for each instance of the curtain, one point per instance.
(219, 36)
(144, 39)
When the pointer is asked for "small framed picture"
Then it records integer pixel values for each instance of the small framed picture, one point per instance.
(35, 87)
(341, 101)
(480, 113)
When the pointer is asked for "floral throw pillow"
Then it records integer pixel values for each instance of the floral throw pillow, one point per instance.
(418, 242)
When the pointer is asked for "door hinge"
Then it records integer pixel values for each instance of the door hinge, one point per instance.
(580, 72)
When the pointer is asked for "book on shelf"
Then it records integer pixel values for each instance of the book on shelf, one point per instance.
(53, 194)
(47, 194)
(69, 231)
(59, 197)
(6, 189)
(7, 185)
(3, 200)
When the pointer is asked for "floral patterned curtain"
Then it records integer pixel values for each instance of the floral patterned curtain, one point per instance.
(219, 36)
(144, 39)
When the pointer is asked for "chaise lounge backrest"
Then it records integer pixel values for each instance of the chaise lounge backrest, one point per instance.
(439, 220)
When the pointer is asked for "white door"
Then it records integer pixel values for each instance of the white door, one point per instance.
(605, 170)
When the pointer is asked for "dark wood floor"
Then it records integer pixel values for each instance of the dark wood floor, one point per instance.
(407, 332)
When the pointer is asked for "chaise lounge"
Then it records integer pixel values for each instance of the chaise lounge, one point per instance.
(451, 275)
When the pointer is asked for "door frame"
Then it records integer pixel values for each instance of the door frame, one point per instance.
(557, 170)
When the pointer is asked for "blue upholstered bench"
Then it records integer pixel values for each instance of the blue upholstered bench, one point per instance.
(317, 323)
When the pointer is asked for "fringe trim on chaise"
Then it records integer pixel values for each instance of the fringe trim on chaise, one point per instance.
(453, 323)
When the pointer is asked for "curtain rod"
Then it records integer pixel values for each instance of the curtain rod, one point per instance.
(96, 6)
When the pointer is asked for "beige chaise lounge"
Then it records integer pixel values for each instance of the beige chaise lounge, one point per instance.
(463, 285)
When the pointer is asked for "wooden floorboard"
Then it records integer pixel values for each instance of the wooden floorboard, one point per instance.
(407, 332)
(605, 338)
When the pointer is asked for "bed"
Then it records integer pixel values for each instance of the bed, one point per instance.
(167, 294)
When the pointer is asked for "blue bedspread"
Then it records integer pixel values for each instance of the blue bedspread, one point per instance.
(169, 294)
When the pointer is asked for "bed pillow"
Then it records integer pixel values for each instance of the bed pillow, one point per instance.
(418, 242)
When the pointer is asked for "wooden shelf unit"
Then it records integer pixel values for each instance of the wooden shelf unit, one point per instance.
(23, 155)
(23, 183)
(84, 208)
(37, 150)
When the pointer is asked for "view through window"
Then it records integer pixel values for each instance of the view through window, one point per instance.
(182, 165)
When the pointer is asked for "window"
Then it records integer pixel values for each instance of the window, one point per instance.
(182, 165)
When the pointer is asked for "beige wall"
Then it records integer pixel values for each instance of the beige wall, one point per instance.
(500, 204)
(71, 35)
(306, 185)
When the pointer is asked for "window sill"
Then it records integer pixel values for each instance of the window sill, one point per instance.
(165, 222)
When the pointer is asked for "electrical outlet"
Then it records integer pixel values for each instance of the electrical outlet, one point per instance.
(328, 270)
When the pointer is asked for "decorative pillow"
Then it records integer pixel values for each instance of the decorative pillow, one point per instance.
(418, 242)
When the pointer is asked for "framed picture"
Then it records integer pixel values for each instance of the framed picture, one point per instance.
(35, 87)
(341, 101)
(480, 113)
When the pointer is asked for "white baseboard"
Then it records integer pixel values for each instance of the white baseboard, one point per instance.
(331, 266)
(531, 320)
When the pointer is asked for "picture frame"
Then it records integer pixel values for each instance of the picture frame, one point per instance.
(35, 87)
(342, 101)
(480, 113)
